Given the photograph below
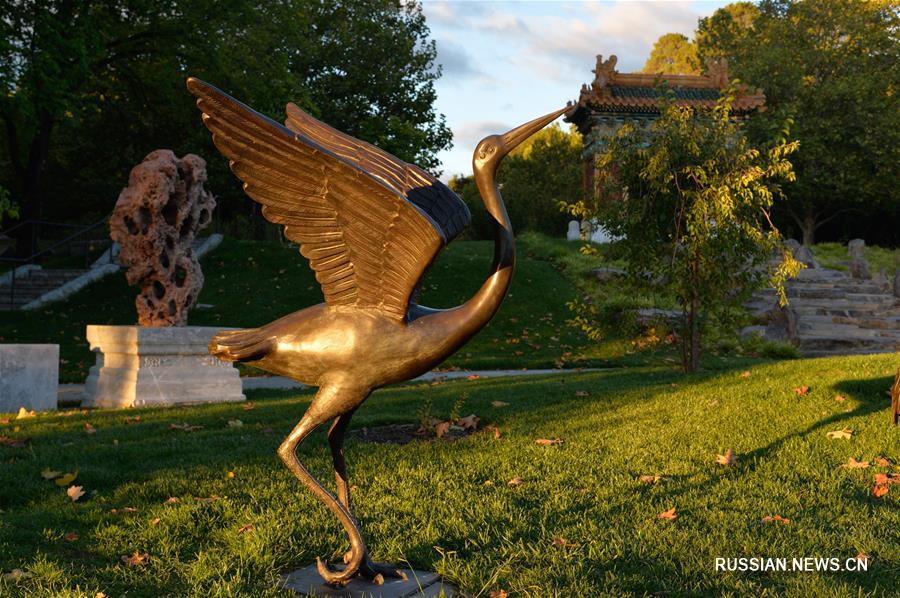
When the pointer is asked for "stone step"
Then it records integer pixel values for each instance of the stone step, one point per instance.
(809, 332)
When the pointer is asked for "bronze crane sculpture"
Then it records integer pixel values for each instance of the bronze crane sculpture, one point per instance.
(370, 225)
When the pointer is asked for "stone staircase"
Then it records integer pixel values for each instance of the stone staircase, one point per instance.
(832, 313)
(33, 284)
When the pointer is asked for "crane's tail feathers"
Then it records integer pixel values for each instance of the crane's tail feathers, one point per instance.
(241, 345)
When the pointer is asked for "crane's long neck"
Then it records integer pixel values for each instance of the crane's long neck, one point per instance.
(475, 313)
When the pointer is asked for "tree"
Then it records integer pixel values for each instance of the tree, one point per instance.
(89, 88)
(834, 67)
(673, 54)
(690, 197)
(536, 176)
(720, 34)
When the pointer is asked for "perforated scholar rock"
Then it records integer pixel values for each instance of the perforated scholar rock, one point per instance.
(155, 221)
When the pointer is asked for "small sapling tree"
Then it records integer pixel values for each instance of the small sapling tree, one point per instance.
(690, 199)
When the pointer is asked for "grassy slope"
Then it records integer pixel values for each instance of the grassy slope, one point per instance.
(834, 255)
(252, 283)
(429, 503)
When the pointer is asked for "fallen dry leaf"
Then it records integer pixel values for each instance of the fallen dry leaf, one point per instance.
(840, 398)
(171, 500)
(745, 374)
(133, 420)
(801, 391)
(473, 377)
(4, 421)
(548, 441)
(245, 528)
(230, 475)
(652, 479)
(516, 481)
(100, 595)
(75, 492)
(776, 519)
(854, 464)
(470, 422)
(49, 474)
(212, 498)
(24, 413)
(670, 514)
(728, 459)
(14, 442)
(184, 427)
(66, 478)
(499, 594)
(155, 521)
(498, 404)
(248, 406)
(844, 434)
(90, 429)
(582, 393)
(560, 541)
(441, 428)
(235, 423)
(880, 490)
(17, 574)
(862, 557)
(70, 537)
(137, 559)
(493, 430)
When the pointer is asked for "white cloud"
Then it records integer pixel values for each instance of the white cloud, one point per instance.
(455, 61)
(467, 135)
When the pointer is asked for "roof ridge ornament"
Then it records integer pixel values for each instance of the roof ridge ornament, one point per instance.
(605, 74)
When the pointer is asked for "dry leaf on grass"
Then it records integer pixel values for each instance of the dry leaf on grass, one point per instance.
(549, 441)
(652, 479)
(560, 541)
(184, 427)
(728, 459)
(133, 420)
(50, 474)
(248, 406)
(499, 594)
(66, 478)
(470, 422)
(776, 519)
(669, 515)
(862, 557)
(498, 404)
(70, 537)
(801, 391)
(880, 490)
(245, 528)
(582, 393)
(14, 442)
(171, 500)
(90, 429)
(17, 574)
(137, 559)
(235, 423)
(155, 521)
(840, 398)
(516, 481)
(75, 492)
(494, 430)
(883, 462)
(854, 464)
(473, 377)
(4, 420)
(24, 413)
(745, 374)
(441, 428)
(844, 434)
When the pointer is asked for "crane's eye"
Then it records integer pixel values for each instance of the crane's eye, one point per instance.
(486, 150)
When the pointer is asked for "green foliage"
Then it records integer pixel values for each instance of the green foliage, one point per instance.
(673, 54)
(834, 67)
(690, 198)
(7, 208)
(90, 88)
(534, 178)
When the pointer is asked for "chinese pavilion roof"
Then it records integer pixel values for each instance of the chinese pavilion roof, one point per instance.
(614, 93)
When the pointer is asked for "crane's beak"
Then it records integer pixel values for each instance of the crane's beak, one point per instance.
(523, 132)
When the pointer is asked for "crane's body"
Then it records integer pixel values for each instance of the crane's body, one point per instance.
(370, 224)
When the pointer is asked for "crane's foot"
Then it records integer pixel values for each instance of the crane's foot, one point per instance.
(375, 572)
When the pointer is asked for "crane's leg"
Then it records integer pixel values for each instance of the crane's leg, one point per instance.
(369, 569)
(330, 402)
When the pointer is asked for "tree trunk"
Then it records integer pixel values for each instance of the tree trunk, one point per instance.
(31, 200)
(694, 363)
(808, 228)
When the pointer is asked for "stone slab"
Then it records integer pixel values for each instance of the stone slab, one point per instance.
(29, 377)
(141, 367)
(307, 582)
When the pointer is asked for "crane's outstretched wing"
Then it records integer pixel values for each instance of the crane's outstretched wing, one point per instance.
(425, 191)
(366, 242)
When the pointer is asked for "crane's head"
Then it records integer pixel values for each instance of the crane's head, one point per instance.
(492, 149)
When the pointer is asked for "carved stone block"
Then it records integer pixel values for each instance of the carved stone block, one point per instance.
(29, 377)
(140, 367)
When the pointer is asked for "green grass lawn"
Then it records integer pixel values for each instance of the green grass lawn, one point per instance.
(252, 283)
(835, 255)
(446, 506)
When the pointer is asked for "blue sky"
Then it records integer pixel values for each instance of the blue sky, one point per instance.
(507, 62)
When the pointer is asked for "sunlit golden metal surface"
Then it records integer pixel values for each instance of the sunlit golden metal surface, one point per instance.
(370, 225)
